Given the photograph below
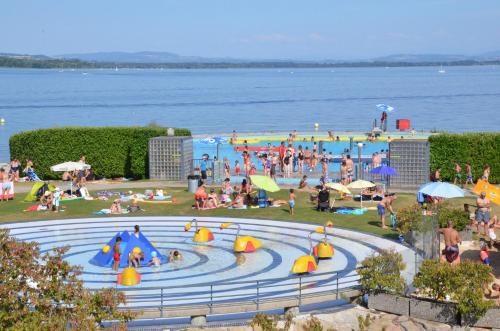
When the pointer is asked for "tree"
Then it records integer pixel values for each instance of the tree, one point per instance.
(43, 292)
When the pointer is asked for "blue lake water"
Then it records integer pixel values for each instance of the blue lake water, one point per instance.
(250, 100)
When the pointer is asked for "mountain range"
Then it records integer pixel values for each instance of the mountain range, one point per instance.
(167, 57)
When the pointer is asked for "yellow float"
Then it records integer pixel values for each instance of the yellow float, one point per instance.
(324, 249)
(106, 249)
(129, 277)
(201, 235)
(306, 263)
(243, 244)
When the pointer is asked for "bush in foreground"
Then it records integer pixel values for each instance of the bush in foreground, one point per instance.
(111, 151)
(381, 273)
(43, 292)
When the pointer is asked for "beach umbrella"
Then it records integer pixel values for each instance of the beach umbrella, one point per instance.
(264, 183)
(214, 141)
(384, 170)
(384, 107)
(360, 185)
(70, 166)
(338, 187)
(492, 191)
(441, 190)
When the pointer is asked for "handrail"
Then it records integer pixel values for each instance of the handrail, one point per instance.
(256, 292)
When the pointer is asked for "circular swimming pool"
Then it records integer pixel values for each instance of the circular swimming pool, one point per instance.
(208, 271)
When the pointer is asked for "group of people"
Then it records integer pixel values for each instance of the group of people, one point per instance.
(234, 197)
(459, 174)
(136, 257)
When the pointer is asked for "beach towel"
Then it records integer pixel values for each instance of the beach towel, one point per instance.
(108, 212)
(243, 207)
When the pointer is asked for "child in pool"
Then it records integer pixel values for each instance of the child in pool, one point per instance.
(291, 200)
(117, 253)
(174, 256)
(155, 260)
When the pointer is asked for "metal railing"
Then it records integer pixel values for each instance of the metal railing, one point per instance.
(231, 294)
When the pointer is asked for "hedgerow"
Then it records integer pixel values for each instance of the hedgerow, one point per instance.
(111, 151)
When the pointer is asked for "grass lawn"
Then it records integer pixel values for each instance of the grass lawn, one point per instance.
(304, 210)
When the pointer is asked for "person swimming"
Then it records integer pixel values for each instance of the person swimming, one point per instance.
(155, 260)
(175, 256)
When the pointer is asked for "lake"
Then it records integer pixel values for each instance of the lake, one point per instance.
(250, 100)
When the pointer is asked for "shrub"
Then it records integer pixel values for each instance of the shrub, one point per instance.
(382, 273)
(477, 148)
(459, 216)
(462, 284)
(409, 218)
(111, 151)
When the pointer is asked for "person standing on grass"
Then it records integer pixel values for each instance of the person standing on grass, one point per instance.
(458, 174)
(291, 200)
(483, 212)
(486, 173)
(385, 205)
(468, 172)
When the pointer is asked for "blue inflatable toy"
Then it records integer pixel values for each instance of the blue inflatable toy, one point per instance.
(104, 258)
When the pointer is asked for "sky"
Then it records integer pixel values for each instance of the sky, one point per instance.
(256, 29)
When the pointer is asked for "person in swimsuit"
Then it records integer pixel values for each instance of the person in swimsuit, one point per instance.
(227, 167)
(350, 168)
(237, 168)
(486, 173)
(291, 201)
(468, 170)
(303, 183)
(458, 174)
(307, 157)
(483, 211)
(116, 253)
(282, 151)
(451, 252)
(274, 165)
(300, 157)
(383, 205)
(14, 169)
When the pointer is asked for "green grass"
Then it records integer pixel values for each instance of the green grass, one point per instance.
(12, 211)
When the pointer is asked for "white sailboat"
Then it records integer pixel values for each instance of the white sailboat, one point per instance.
(441, 70)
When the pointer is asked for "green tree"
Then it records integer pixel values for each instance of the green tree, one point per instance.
(381, 273)
(43, 292)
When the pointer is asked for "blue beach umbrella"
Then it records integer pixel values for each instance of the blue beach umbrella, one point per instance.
(384, 107)
(384, 170)
(214, 141)
(442, 190)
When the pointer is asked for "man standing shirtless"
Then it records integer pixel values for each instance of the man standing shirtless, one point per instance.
(383, 205)
(483, 211)
(451, 252)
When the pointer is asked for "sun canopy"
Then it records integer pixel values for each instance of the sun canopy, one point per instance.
(264, 183)
(492, 191)
(360, 184)
(441, 190)
(384, 170)
(69, 166)
(338, 187)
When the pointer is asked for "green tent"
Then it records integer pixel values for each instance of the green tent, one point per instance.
(31, 196)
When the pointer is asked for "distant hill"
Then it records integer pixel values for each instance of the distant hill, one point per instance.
(167, 57)
(168, 60)
(145, 57)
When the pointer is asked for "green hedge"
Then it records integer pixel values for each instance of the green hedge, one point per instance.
(477, 148)
(112, 151)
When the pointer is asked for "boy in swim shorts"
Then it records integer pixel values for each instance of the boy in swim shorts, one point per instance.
(117, 253)
(291, 200)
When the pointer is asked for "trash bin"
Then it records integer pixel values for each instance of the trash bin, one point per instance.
(193, 181)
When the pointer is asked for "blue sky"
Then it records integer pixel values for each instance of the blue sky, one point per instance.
(314, 29)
